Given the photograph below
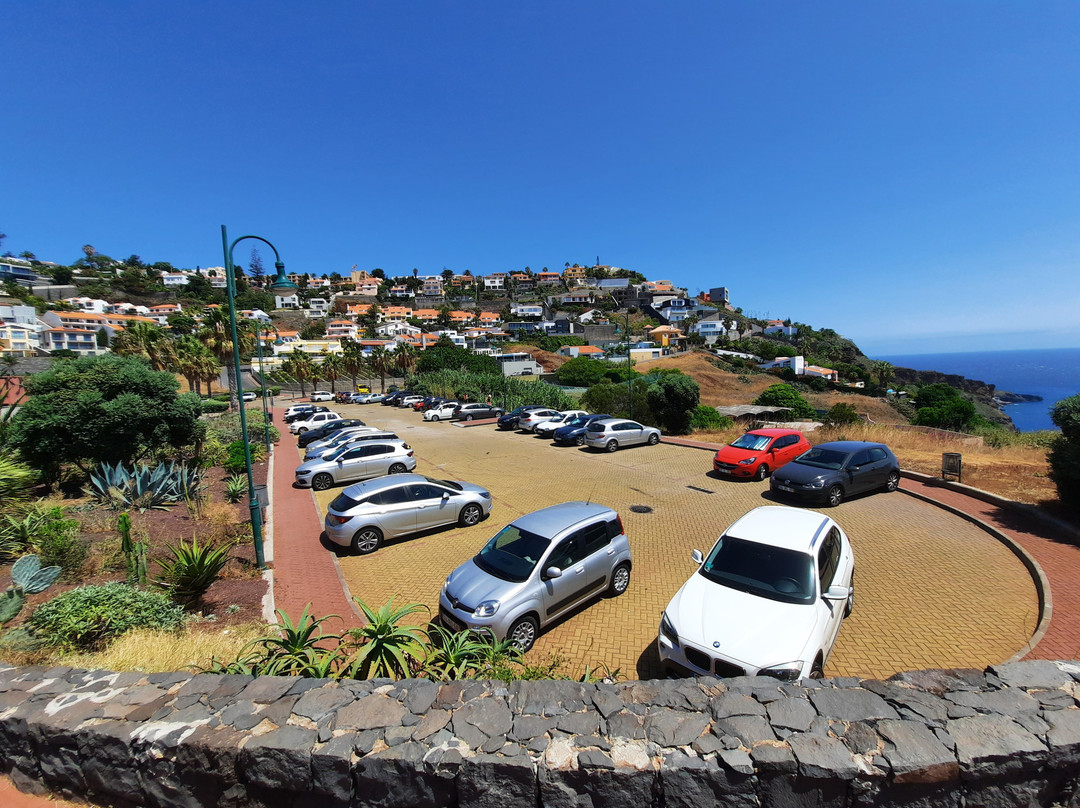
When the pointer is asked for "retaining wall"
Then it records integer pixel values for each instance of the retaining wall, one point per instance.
(1006, 736)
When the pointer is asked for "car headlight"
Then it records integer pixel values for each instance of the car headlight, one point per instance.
(487, 608)
(668, 630)
(787, 672)
(814, 484)
(748, 461)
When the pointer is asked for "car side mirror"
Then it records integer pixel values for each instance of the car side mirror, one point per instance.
(552, 572)
(837, 593)
(697, 556)
(445, 495)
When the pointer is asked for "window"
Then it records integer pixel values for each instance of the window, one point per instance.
(594, 537)
(829, 558)
(877, 455)
(568, 553)
(425, 491)
(391, 496)
(860, 459)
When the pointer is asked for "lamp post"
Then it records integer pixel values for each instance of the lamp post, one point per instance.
(280, 284)
(262, 385)
(629, 385)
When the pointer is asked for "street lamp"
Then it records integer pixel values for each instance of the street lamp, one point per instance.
(262, 385)
(280, 285)
(626, 331)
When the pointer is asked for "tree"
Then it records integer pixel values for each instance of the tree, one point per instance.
(581, 371)
(784, 395)
(444, 355)
(255, 264)
(884, 371)
(181, 324)
(332, 369)
(942, 407)
(144, 340)
(674, 399)
(382, 362)
(842, 414)
(216, 334)
(352, 358)
(62, 275)
(405, 357)
(192, 359)
(301, 367)
(1064, 454)
(108, 408)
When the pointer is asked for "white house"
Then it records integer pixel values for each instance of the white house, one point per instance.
(174, 279)
(287, 301)
(317, 307)
(783, 330)
(397, 328)
(527, 310)
(87, 304)
(495, 282)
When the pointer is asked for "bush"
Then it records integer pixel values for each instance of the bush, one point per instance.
(89, 617)
(841, 414)
(191, 571)
(784, 395)
(58, 544)
(275, 390)
(212, 405)
(214, 453)
(708, 419)
(1064, 454)
(236, 462)
(674, 400)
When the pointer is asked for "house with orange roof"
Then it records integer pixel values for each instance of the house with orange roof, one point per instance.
(548, 279)
(397, 313)
(336, 329)
(357, 309)
(590, 351)
(667, 336)
(426, 316)
(433, 287)
(573, 275)
(489, 318)
(459, 317)
(369, 287)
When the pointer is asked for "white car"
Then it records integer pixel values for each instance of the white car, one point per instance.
(547, 428)
(349, 440)
(316, 419)
(768, 600)
(408, 401)
(441, 412)
(321, 395)
(250, 395)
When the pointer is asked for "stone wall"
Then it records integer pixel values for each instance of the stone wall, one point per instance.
(1006, 736)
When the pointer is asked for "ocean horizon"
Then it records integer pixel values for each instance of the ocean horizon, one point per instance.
(1052, 373)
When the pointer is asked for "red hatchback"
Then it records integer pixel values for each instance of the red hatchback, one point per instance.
(759, 452)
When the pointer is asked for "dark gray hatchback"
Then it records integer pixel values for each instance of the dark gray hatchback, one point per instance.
(831, 472)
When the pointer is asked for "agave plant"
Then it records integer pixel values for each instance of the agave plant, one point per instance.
(144, 487)
(296, 650)
(235, 487)
(386, 648)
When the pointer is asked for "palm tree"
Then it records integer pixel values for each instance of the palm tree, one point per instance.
(884, 371)
(192, 360)
(143, 339)
(301, 367)
(405, 357)
(216, 334)
(352, 358)
(382, 362)
(332, 369)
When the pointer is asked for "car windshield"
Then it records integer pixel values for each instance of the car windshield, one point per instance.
(823, 458)
(512, 554)
(753, 443)
(447, 483)
(761, 570)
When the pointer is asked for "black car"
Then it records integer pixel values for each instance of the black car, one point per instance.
(304, 414)
(830, 472)
(326, 430)
(510, 420)
(574, 432)
(394, 399)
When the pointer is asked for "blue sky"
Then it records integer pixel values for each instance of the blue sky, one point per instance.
(904, 173)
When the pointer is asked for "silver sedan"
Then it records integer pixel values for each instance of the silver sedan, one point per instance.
(356, 462)
(614, 433)
(366, 514)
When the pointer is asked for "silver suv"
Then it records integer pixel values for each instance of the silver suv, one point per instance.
(536, 569)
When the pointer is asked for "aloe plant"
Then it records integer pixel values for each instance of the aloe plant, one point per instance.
(235, 487)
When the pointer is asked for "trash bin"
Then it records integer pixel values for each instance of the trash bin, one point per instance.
(262, 496)
(951, 465)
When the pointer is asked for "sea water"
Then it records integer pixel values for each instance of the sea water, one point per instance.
(1053, 374)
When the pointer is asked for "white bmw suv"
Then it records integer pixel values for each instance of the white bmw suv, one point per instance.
(768, 599)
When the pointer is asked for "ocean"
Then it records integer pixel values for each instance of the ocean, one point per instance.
(1053, 374)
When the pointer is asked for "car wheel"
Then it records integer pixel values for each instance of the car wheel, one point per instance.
(397, 468)
(434, 418)
(835, 496)
(321, 482)
(818, 671)
(468, 417)
(579, 440)
(620, 580)
(612, 445)
(761, 473)
(367, 540)
(470, 515)
(301, 430)
(523, 633)
(654, 439)
(893, 481)
(849, 606)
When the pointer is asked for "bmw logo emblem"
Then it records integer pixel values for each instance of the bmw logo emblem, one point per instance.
(716, 645)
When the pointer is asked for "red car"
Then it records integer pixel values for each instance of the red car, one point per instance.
(759, 452)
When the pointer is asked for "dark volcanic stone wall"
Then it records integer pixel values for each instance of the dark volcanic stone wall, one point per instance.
(1006, 736)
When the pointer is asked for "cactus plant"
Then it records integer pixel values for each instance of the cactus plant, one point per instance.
(29, 577)
(11, 603)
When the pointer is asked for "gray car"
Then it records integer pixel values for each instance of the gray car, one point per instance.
(536, 569)
(366, 514)
(365, 433)
(831, 472)
(354, 462)
(615, 433)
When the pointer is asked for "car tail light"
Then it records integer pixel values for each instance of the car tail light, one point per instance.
(619, 520)
(410, 454)
(334, 519)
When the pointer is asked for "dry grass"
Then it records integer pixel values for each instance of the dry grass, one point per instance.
(158, 651)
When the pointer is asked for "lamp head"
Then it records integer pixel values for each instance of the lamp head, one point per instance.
(281, 285)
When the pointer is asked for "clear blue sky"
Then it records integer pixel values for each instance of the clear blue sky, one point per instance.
(907, 173)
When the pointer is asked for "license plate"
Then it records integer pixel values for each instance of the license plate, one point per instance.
(787, 488)
(451, 623)
(723, 471)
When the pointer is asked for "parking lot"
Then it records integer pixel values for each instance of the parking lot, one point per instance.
(932, 590)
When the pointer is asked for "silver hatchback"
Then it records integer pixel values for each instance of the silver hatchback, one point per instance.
(615, 433)
(366, 514)
(535, 570)
(356, 462)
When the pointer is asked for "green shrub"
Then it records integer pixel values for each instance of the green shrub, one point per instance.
(674, 399)
(89, 617)
(213, 405)
(1064, 454)
(58, 544)
(708, 419)
(236, 462)
(784, 395)
(275, 390)
(214, 453)
(841, 414)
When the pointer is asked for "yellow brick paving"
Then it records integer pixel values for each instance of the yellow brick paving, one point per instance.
(932, 590)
